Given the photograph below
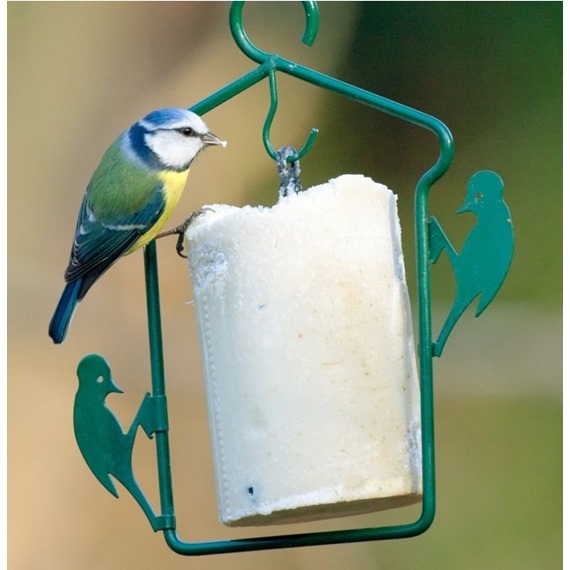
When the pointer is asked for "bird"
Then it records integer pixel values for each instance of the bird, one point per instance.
(130, 196)
(105, 447)
(483, 263)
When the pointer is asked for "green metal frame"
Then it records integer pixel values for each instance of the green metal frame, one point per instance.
(153, 414)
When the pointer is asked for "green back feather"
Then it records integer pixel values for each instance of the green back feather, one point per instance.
(118, 189)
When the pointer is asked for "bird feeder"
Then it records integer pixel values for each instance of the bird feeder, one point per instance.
(320, 400)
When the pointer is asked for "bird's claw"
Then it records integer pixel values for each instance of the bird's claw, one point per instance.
(180, 246)
(181, 230)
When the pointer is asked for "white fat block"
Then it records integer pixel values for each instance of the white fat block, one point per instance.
(308, 355)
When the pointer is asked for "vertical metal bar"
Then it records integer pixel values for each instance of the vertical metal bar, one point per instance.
(157, 378)
(425, 348)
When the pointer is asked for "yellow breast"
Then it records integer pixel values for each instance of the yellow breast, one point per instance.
(174, 183)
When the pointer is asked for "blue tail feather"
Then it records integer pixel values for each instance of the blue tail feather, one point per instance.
(64, 311)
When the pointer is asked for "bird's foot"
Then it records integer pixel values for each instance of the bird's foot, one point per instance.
(181, 230)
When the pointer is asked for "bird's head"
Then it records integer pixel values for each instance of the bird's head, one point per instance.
(484, 187)
(95, 374)
(168, 139)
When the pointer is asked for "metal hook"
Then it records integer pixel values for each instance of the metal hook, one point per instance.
(251, 50)
(262, 57)
(269, 120)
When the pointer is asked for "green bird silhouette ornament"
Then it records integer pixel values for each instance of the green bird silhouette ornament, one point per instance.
(482, 265)
(106, 448)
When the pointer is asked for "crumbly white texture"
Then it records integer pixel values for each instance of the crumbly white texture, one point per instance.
(308, 354)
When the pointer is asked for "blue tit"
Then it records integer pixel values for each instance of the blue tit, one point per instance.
(129, 198)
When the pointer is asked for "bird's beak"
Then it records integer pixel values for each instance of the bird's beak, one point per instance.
(472, 203)
(211, 138)
(468, 206)
(114, 388)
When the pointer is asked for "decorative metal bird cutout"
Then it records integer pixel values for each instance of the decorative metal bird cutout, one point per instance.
(108, 450)
(482, 265)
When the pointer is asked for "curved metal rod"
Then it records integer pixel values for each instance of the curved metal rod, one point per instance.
(260, 56)
(269, 121)
(250, 49)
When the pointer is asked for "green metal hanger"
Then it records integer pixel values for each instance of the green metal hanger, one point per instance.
(480, 269)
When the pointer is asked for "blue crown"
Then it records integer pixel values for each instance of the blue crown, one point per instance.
(164, 118)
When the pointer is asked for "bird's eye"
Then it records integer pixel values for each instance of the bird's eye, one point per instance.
(187, 132)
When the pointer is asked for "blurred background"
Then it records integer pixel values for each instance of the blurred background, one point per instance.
(80, 73)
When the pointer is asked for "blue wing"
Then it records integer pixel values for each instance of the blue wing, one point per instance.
(96, 246)
(99, 243)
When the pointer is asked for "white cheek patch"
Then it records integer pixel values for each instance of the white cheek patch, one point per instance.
(173, 149)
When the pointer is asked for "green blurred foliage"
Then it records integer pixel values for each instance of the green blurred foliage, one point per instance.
(492, 72)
